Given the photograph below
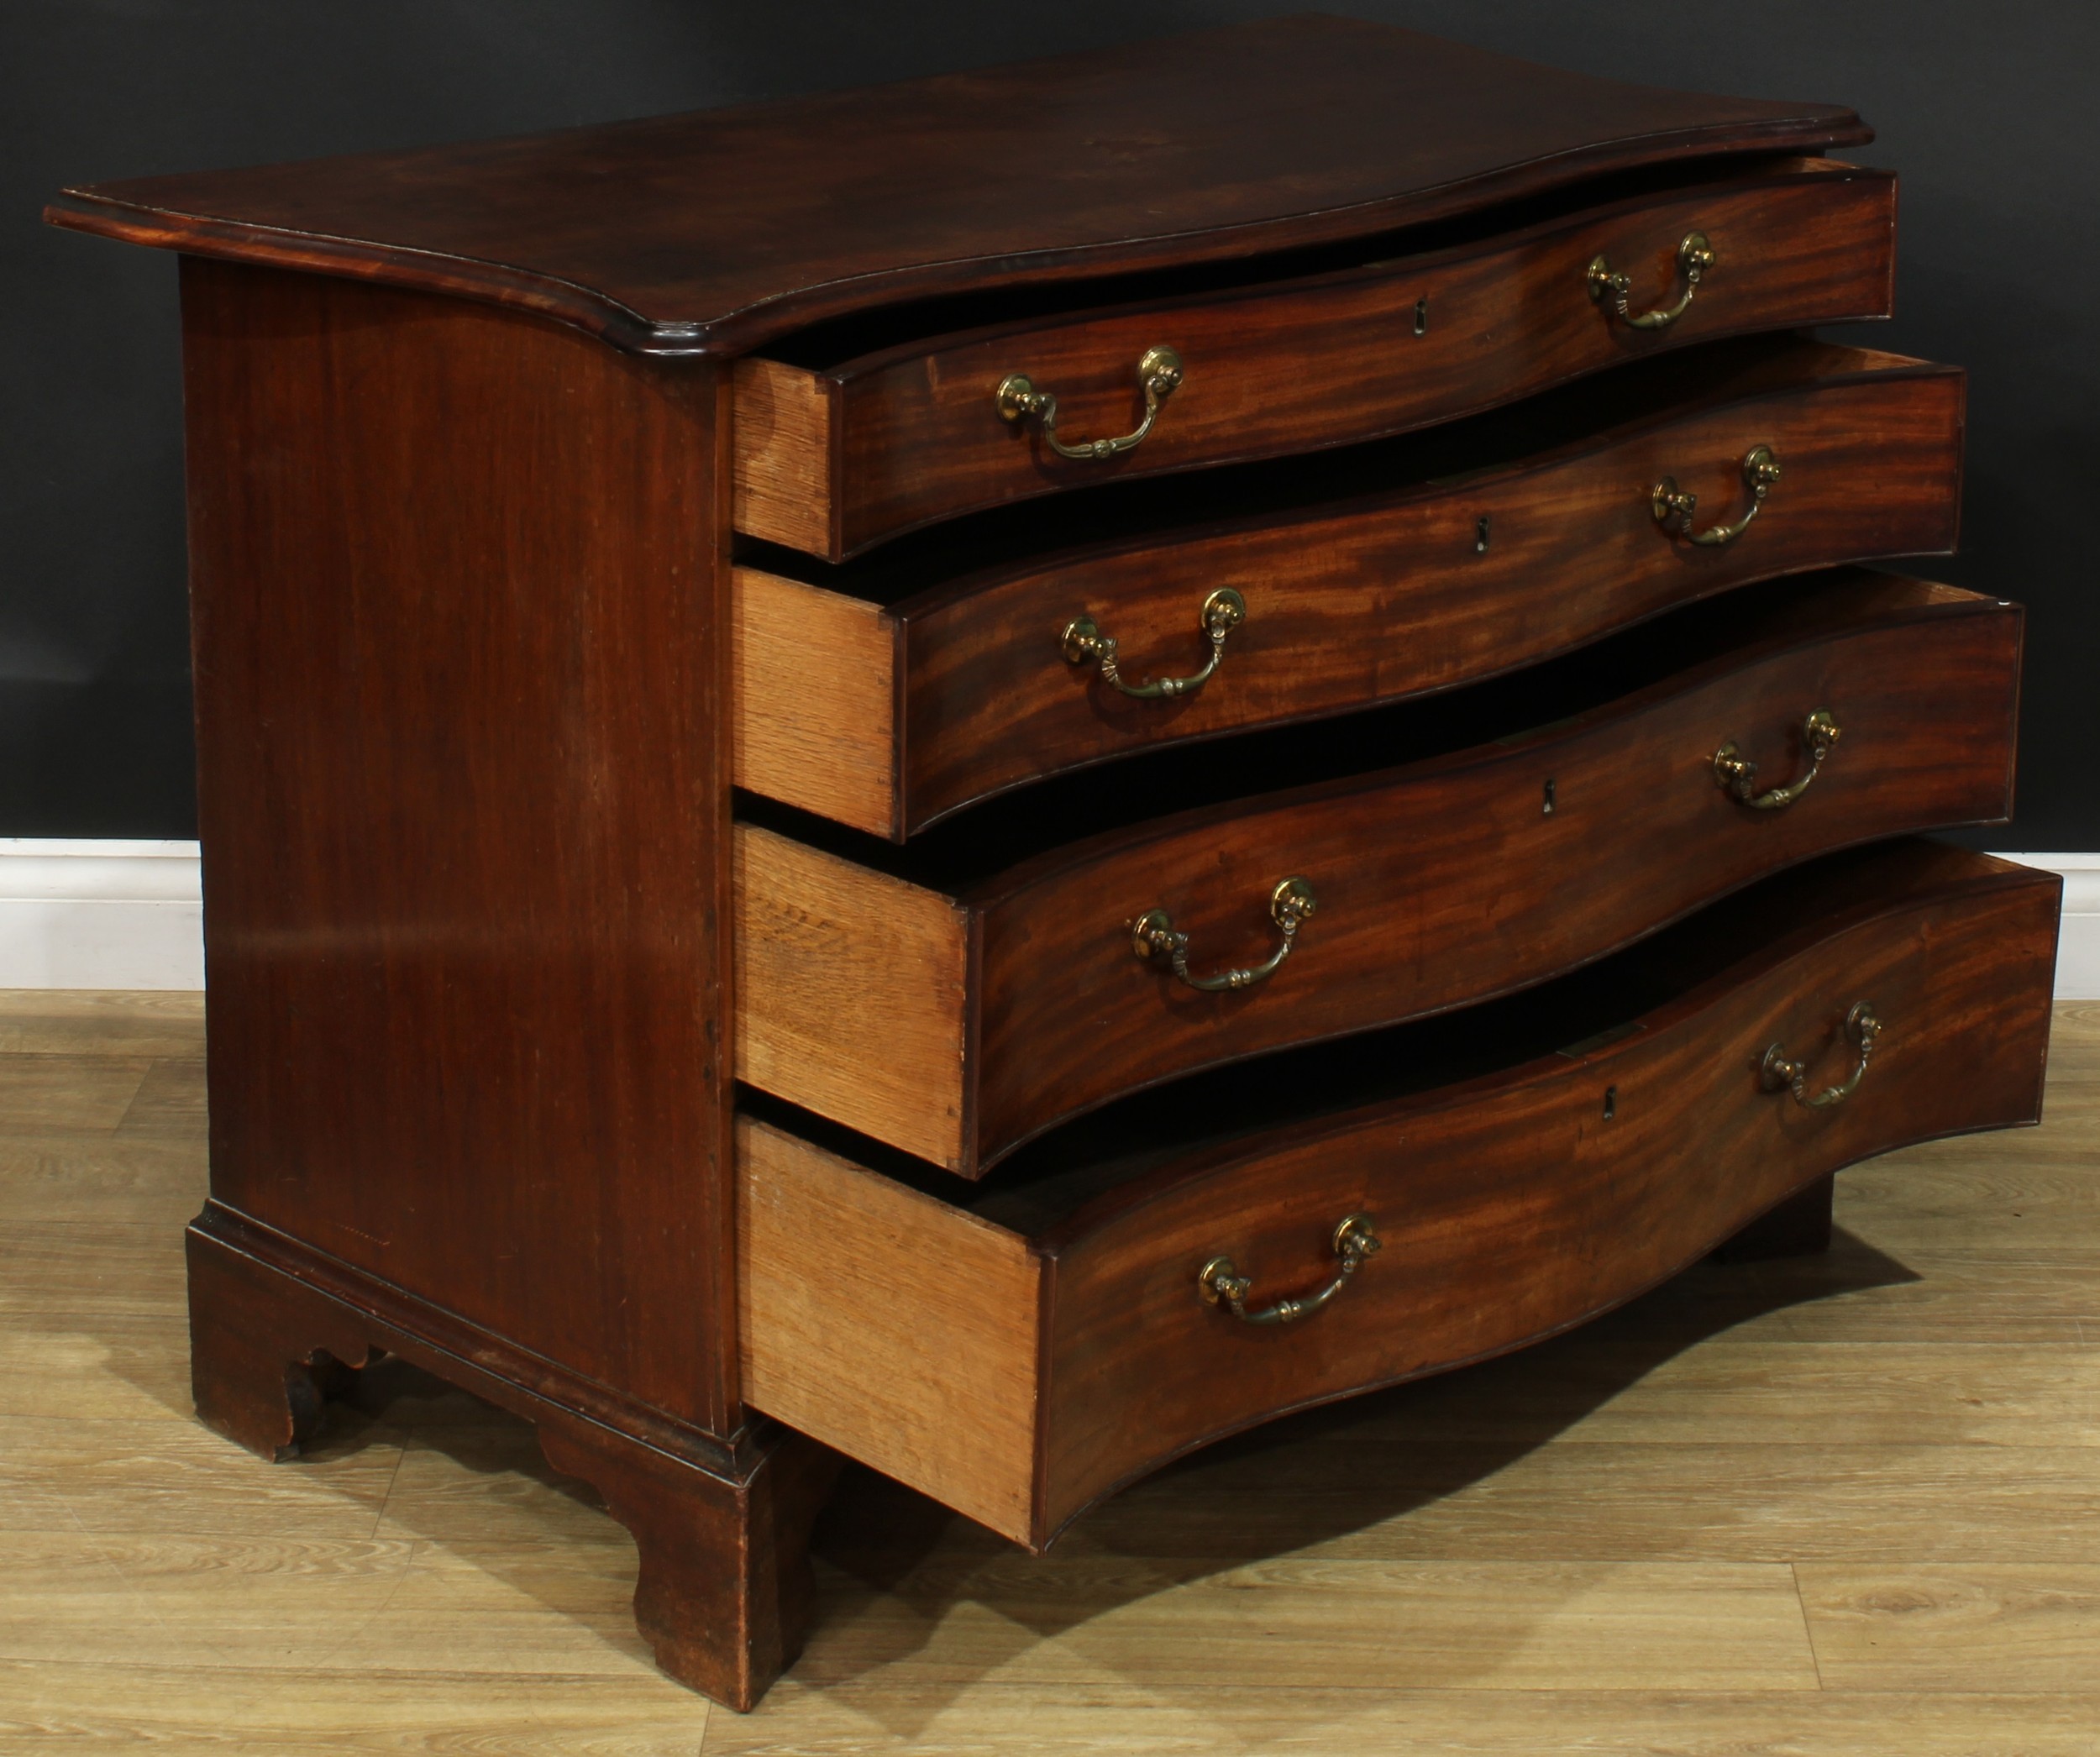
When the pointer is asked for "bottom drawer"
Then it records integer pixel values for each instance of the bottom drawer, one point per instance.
(1022, 1348)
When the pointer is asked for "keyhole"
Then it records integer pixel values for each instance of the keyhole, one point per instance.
(1480, 535)
(1547, 810)
(1611, 1103)
(1421, 316)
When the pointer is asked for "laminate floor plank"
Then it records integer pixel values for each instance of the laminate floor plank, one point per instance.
(488, 1485)
(125, 1022)
(170, 1100)
(332, 1709)
(1962, 1296)
(48, 1180)
(118, 1266)
(890, 1719)
(89, 1093)
(1770, 1389)
(1627, 1502)
(155, 1477)
(98, 1367)
(1842, 1506)
(1908, 1627)
(1313, 1624)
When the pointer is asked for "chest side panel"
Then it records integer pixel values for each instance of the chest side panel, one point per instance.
(460, 659)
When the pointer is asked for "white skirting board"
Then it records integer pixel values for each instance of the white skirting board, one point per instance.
(100, 915)
(130, 915)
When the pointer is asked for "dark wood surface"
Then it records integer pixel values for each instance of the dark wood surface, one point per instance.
(1380, 596)
(457, 597)
(1448, 883)
(712, 232)
(459, 588)
(1440, 882)
(723, 1593)
(1295, 365)
(1514, 1207)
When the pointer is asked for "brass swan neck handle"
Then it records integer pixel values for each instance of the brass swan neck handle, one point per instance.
(1220, 613)
(1673, 507)
(1614, 291)
(1153, 937)
(1220, 1283)
(1159, 373)
(1736, 775)
(1780, 1073)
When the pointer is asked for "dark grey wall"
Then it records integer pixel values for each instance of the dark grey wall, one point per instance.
(1988, 111)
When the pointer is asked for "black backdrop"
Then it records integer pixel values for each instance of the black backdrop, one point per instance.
(1987, 111)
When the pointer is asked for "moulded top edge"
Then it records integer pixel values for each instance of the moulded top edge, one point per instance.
(714, 232)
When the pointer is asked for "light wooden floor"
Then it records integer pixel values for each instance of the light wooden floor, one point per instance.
(1847, 1505)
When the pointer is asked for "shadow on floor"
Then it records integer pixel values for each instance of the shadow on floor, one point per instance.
(892, 1564)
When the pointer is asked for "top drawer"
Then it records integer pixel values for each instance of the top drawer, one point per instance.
(833, 455)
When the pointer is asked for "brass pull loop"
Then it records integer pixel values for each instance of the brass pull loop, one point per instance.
(1219, 614)
(1158, 375)
(1153, 935)
(1673, 507)
(1862, 1026)
(1222, 1284)
(1613, 290)
(1736, 775)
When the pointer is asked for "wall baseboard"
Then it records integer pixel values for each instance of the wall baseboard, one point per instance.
(130, 915)
(100, 915)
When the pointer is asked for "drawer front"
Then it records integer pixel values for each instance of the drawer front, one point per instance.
(1389, 599)
(1017, 1371)
(1444, 883)
(957, 1027)
(833, 462)
(1505, 1217)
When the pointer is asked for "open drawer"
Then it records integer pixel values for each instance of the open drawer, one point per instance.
(855, 431)
(947, 668)
(1062, 946)
(1020, 1348)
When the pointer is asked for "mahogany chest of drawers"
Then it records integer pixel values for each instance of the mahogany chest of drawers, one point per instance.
(1002, 774)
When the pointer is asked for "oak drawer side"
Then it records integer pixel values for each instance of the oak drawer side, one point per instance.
(815, 692)
(852, 993)
(883, 1323)
(782, 457)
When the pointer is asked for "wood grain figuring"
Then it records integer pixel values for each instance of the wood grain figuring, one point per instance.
(1520, 1167)
(1298, 366)
(873, 1319)
(1377, 596)
(715, 231)
(1695, 1149)
(1588, 1542)
(852, 991)
(814, 693)
(469, 430)
(1640, 834)
(784, 447)
(463, 813)
(1923, 679)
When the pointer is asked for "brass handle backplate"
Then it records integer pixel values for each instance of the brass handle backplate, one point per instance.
(1153, 937)
(1781, 1074)
(1220, 1283)
(1218, 615)
(1614, 291)
(1158, 376)
(1673, 507)
(1736, 775)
